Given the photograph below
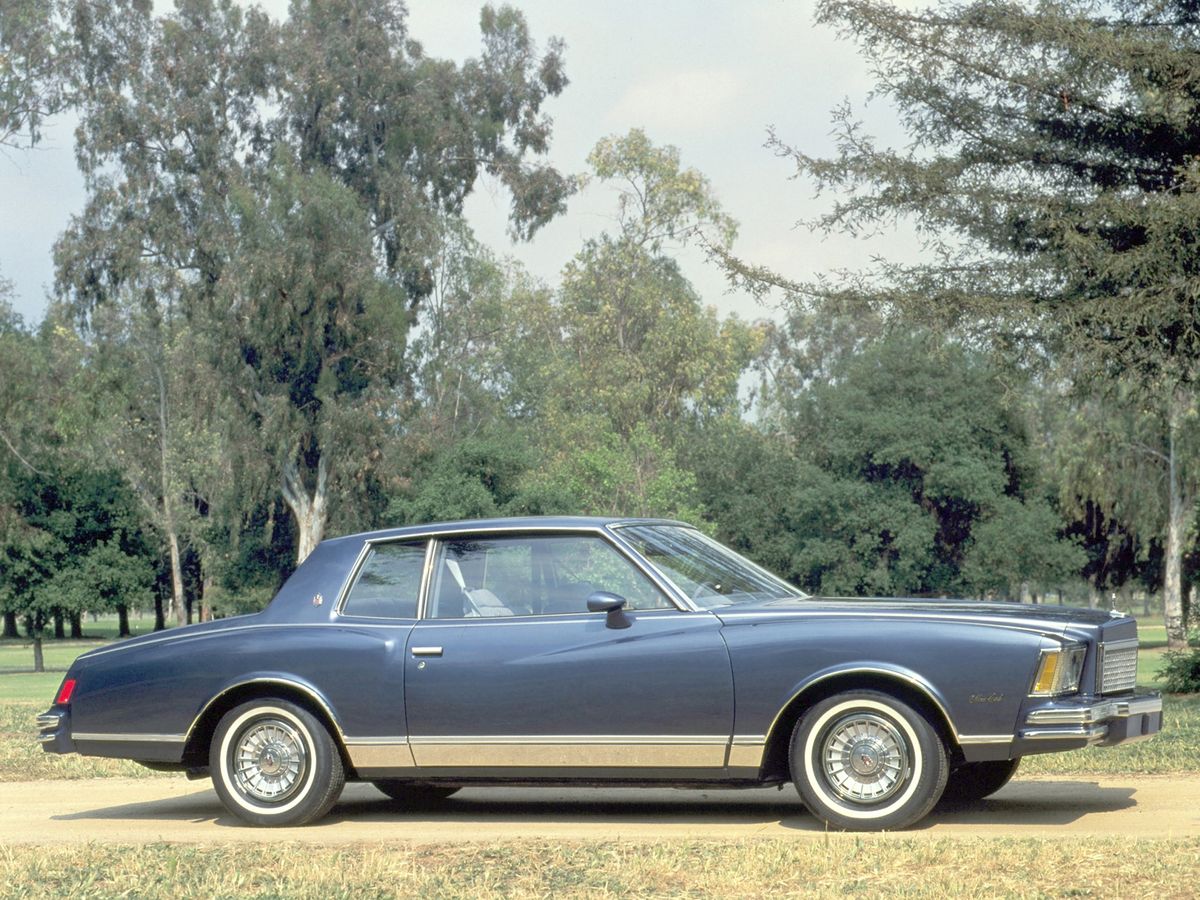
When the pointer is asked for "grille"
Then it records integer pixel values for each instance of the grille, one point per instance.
(1118, 667)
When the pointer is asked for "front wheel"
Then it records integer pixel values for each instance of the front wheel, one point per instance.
(865, 761)
(974, 781)
(274, 763)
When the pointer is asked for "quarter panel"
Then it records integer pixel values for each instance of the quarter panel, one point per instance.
(161, 688)
(980, 675)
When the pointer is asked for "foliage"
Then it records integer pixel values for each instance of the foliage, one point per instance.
(299, 182)
(1181, 672)
(33, 56)
(902, 472)
(1050, 168)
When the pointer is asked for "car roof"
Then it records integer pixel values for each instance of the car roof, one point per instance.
(514, 523)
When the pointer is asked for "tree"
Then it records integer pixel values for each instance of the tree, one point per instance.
(34, 50)
(200, 127)
(901, 471)
(1051, 168)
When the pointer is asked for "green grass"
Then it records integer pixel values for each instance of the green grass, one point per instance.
(822, 866)
(17, 656)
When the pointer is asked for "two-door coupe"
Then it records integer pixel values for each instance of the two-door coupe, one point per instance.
(599, 651)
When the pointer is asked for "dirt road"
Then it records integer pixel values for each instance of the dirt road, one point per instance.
(120, 810)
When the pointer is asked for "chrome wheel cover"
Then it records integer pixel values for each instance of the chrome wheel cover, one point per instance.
(864, 758)
(269, 761)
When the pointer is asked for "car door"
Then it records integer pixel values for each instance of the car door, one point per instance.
(508, 672)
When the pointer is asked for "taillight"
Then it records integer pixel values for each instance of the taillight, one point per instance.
(65, 692)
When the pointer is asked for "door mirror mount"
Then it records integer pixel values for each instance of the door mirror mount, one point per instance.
(611, 604)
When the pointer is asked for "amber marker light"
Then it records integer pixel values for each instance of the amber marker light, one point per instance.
(65, 692)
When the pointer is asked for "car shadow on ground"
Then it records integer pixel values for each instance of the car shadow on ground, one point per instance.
(1036, 803)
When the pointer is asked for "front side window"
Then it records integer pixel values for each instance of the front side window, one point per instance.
(708, 572)
(389, 583)
(533, 575)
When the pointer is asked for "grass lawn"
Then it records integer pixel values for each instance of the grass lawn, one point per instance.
(825, 866)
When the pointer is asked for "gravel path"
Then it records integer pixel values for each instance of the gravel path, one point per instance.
(125, 810)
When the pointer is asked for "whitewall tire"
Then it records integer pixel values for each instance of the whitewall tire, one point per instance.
(274, 763)
(865, 761)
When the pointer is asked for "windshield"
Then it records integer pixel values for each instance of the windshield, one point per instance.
(709, 573)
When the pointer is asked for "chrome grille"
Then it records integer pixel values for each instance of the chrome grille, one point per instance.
(1118, 667)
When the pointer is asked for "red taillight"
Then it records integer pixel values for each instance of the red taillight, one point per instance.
(65, 692)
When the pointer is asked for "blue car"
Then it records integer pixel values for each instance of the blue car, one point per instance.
(599, 651)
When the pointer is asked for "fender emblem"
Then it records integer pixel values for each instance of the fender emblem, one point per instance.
(986, 698)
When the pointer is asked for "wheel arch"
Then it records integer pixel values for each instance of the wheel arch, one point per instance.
(904, 685)
(204, 726)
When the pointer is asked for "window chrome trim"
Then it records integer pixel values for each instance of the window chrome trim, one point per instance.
(601, 533)
(360, 562)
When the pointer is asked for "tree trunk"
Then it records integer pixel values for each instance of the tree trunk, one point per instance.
(206, 585)
(309, 509)
(76, 625)
(10, 625)
(159, 624)
(36, 626)
(178, 611)
(122, 620)
(1179, 516)
(1093, 597)
(168, 507)
(59, 633)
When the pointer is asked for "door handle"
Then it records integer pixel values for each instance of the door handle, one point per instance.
(426, 651)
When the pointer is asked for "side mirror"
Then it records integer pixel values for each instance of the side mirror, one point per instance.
(613, 605)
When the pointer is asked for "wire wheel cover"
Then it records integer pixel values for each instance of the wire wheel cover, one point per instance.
(270, 760)
(864, 758)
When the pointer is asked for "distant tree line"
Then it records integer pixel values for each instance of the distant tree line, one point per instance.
(271, 323)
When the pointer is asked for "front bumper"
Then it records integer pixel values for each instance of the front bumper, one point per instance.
(1065, 725)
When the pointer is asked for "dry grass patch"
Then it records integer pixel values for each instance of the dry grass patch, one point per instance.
(22, 757)
(830, 866)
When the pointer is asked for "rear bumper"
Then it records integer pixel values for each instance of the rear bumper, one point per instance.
(54, 731)
(1068, 725)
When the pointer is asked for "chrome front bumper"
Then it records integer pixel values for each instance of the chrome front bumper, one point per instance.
(1105, 722)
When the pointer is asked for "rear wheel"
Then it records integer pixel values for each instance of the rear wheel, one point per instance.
(274, 763)
(411, 794)
(865, 761)
(974, 781)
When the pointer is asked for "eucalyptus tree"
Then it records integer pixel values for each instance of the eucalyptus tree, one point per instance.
(1050, 165)
(199, 126)
(34, 56)
(628, 354)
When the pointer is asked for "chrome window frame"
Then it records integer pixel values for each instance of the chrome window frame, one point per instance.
(356, 571)
(434, 537)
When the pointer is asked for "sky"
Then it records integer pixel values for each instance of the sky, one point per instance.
(707, 76)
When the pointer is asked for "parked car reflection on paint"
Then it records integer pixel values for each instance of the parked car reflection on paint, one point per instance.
(599, 651)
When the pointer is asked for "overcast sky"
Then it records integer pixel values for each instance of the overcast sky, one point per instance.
(707, 77)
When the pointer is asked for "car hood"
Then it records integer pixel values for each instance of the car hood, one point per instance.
(1050, 619)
